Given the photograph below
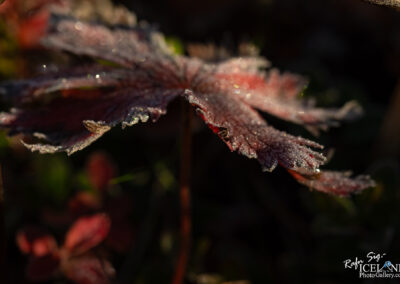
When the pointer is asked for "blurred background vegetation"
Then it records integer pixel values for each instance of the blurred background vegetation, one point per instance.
(247, 225)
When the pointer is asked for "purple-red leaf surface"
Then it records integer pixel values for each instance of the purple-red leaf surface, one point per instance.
(88, 270)
(87, 233)
(35, 241)
(69, 109)
(100, 170)
(338, 183)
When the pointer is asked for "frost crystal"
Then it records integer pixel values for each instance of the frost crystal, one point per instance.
(71, 108)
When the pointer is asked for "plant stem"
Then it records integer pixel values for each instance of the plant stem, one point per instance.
(184, 193)
(2, 232)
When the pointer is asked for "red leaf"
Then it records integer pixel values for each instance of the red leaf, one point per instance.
(35, 241)
(278, 95)
(85, 120)
(337, 183)
(71, 82)
(5, 7)
(126, 47)
(31, 30)
(42, 268)
(100, 170)
(83, 203)
(148, 76)
(27, 19)
(88, 270)
(243, 130)
(87, 233)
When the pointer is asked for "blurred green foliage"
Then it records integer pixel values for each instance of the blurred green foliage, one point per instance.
(8, 53)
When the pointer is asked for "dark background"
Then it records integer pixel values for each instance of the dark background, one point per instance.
(247, 225)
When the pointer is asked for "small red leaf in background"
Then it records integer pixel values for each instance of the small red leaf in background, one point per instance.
(100, 170)
(42, 268)
(89, 270)
(87, 233)
(35, 241)
(3, 7)
(28, 20)
(33, 29)
(83, 203)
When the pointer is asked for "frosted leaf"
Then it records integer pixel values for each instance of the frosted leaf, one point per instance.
(69, 109)
(389, 3)
(82, 77)
(102, 10)
(278, 95)
(127, 47)
(243, 130)
(337, 183)
(243, 64)
(70, 124)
